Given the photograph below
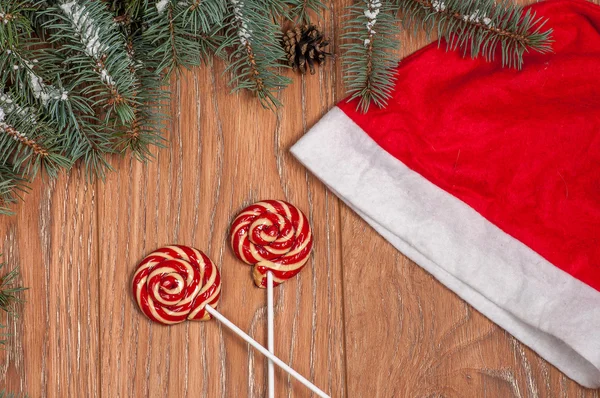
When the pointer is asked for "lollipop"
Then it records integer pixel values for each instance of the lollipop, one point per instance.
(175, 283)
(276, 238)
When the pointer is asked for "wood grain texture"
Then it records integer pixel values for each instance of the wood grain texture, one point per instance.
(393, 332)
(54, 348)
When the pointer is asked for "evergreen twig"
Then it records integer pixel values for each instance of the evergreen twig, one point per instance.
(6, 394)
(299, 10)
(255, 51)
(184, 33)
(10, 294)
(12, 185)
(483, 26)
(369, 59)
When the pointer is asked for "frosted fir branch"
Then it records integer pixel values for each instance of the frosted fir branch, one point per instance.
(89, 34)
(9, 106)
(94, 60)
(45, 92)
(27, 140)
(24, 74)
(23, 139)
(245, 37)
(88, 31)
(5, 18)
(369, 60)
(371, 14)
(244, 34)
(483, 26)
(253, 37)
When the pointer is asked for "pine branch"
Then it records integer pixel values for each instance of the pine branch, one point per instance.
(6, 394)
(12, 184)
(14, 25)
(255, 51)
(369, 60)
(27, 140)
(10, 295)
(69, 126)
(95, 56)
(184, 33)
(484, 26)
(10, 291)
(145, 129)
(300, 9)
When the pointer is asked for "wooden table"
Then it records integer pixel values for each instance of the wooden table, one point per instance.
(361, 320)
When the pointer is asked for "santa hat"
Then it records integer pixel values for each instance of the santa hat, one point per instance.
(489, 178)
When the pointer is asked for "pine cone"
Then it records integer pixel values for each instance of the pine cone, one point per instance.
(304, 45)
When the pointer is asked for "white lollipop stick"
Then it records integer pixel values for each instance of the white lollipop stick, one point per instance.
(270, 336)
(217, 315)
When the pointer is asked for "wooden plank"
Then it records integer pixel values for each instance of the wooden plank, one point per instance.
(53, 350)
(407, 335)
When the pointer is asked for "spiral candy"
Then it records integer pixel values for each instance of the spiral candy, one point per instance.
(175, 283)
(274, 236)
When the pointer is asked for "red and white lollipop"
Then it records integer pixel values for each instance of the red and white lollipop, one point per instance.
(177, 283)
(275, 237)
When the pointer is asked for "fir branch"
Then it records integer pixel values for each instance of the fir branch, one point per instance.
(10, 291)
(28, 76)
(484, 26)
(10, 294)
(94, 55)
(145, 130)
(202, 16)
(12, 132)
(184, 33)
(70, 126)
(256, 51)
(27, 140)
(369, 60)
(14, 25)
(300, 10)
(6, 394)
(12, 184)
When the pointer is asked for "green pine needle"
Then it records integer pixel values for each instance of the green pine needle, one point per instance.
(255, 51)
(12, 185)
(10, 291)
(183, 34)
(6, 394)
(10, 294)
(483, 26)
(299, 10)
(369, 59)
(83, 79)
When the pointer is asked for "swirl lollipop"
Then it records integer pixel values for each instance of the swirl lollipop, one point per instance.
(276, 238)
(175, 283)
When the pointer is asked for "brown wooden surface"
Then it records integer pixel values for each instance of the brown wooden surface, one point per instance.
(392, 331)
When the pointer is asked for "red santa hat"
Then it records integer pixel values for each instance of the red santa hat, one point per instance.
(489, 178)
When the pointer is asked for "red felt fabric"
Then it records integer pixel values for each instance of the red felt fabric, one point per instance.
(520, 147)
